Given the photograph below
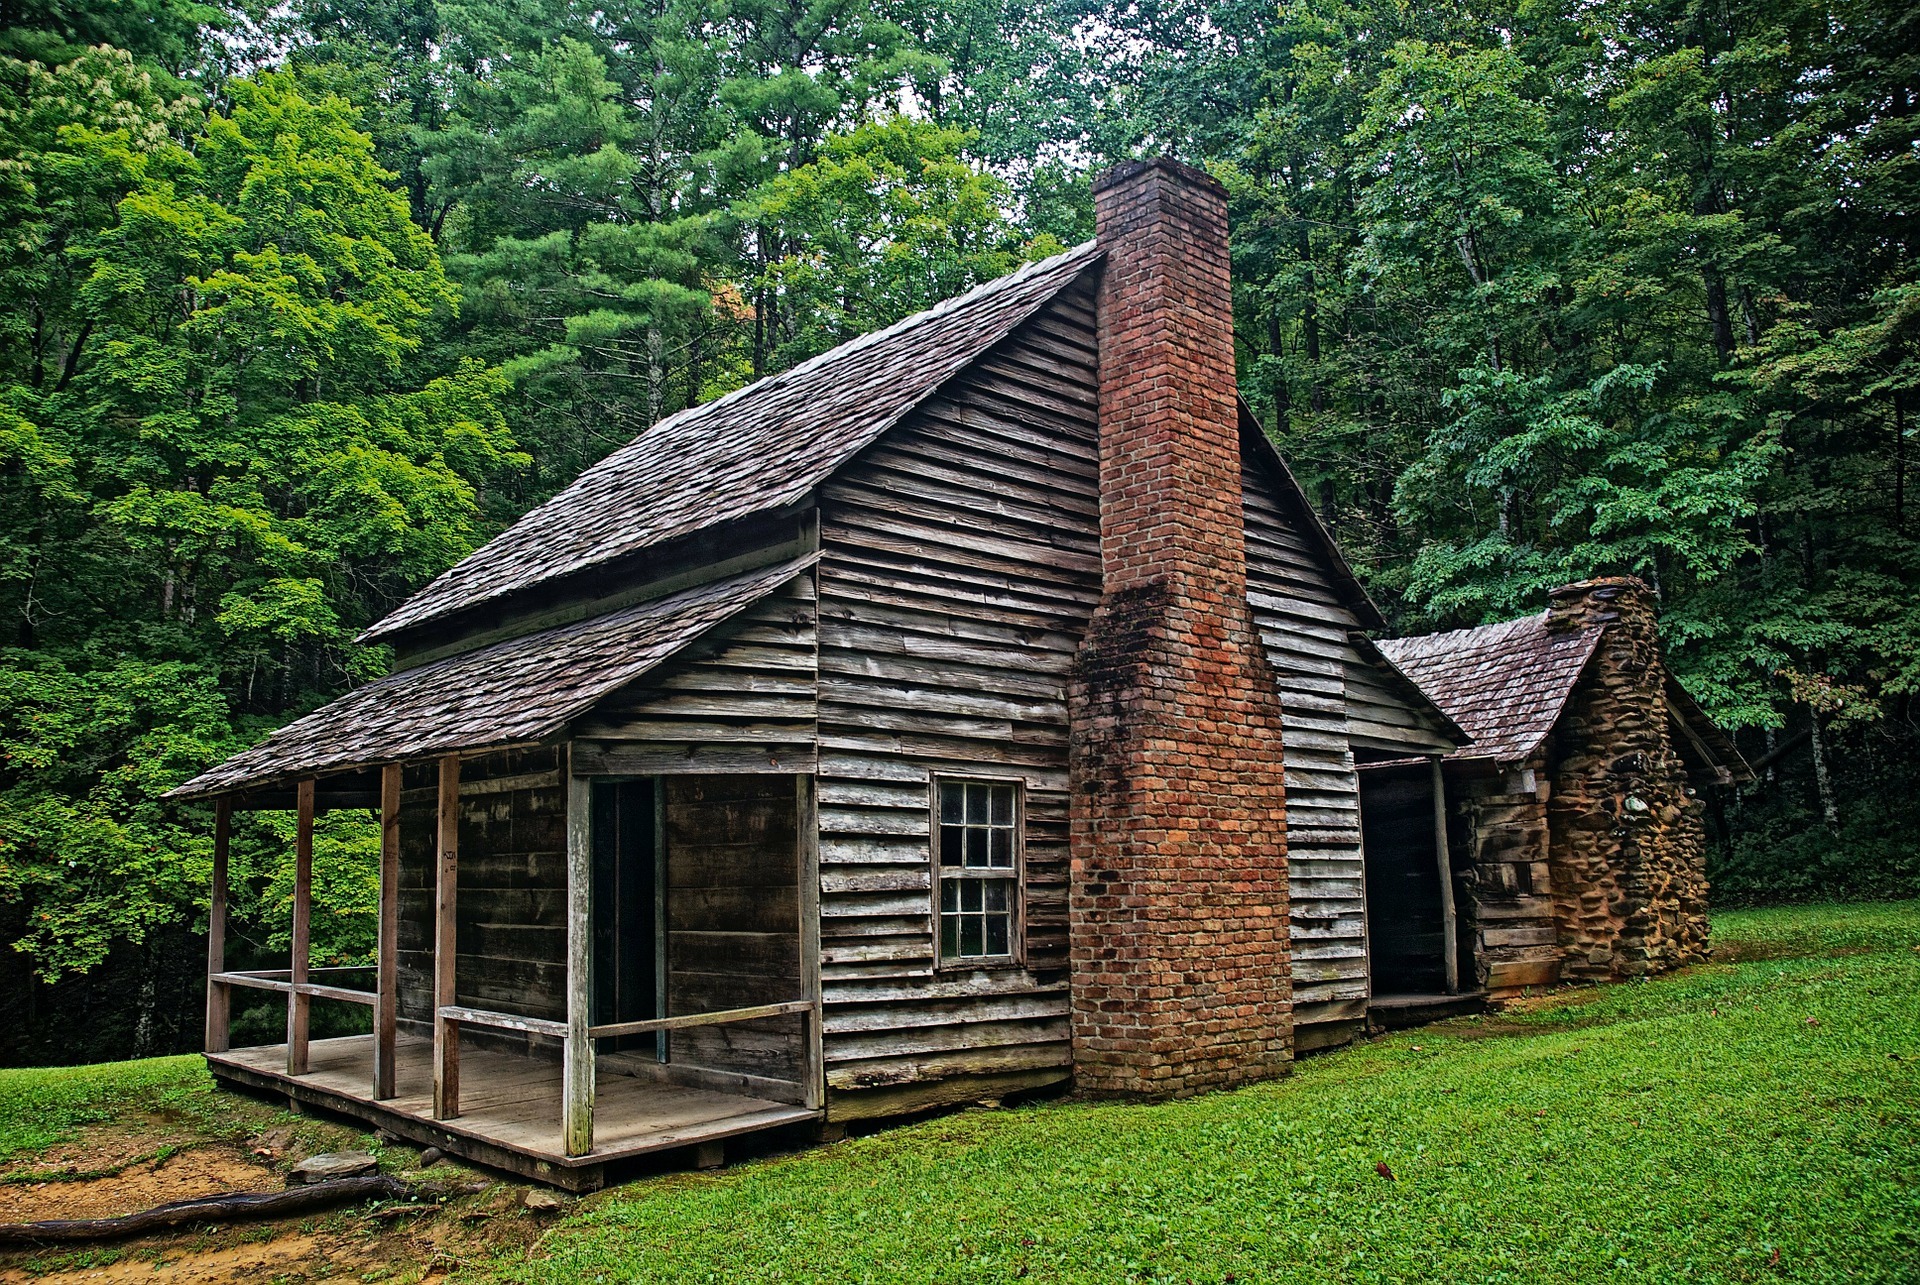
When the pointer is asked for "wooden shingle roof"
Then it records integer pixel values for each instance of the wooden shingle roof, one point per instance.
(754, 450)
(1505, 684)
(513, 692)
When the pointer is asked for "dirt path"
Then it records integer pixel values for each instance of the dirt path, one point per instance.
(133, 1165)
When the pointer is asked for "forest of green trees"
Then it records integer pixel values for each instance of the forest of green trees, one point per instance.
(301, 302)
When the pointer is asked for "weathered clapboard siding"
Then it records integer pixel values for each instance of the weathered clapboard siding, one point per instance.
(510, 920)
(741, 700)
(733, 918)
(1305, 628)
(1380, 715)
(959, 568)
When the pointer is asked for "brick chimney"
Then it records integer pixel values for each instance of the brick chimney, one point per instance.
(1628, 847)
(1178, 904)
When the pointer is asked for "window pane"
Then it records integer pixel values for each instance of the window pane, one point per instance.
(996, 894)
(970, 894)
(952, 839)
(1003, 849)
(976, 846)
(977, 804)
(949, 898)
(970, 936)
(953, 800)
(998, 932)
(949, 936)
(1003, 805)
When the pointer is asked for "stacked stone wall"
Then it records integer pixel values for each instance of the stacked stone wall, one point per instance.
(1626, 833)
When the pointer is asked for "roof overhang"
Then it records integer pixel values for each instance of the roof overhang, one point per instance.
(522, 691)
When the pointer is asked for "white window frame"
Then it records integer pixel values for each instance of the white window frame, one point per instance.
(1015, 877)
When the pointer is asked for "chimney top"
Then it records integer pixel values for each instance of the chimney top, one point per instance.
(1178, 170)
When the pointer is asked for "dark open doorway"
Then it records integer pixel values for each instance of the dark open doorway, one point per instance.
(1407, 919)
(626, 908)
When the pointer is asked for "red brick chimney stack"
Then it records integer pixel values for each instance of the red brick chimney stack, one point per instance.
(1178, 904)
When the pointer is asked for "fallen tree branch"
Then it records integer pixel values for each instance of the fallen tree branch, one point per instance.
(209, 1209)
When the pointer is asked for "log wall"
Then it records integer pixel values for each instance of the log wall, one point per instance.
(959, 568)
(1497, 831)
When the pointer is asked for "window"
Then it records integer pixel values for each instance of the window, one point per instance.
(977, 860)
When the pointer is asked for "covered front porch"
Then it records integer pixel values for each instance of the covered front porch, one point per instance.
(511, 1107)
(573, 969)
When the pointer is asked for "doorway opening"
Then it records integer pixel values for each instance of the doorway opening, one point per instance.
(626, 909)
(1406, 915)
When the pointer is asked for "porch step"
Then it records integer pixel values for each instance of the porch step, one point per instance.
(1394, 1012)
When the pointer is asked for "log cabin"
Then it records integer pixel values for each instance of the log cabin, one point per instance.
(1577, 809)
(973, 709)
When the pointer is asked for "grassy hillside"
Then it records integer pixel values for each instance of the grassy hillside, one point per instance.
(1752, 1120)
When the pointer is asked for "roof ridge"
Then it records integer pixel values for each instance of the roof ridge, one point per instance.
(781, 378)
(753, 450)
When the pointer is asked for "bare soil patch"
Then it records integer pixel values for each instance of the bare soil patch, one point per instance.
(148, 1159)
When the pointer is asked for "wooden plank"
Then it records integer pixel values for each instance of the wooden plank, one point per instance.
(299, 1005)
(503, 1021)
(219, 997)
(1450, 944)
(577, 1069)
(387, 958)
(446, 1033)
(689, 1021)
(813, 1060)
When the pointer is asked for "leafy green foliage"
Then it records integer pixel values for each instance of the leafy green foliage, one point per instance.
(1633, 1133)
(219, 468)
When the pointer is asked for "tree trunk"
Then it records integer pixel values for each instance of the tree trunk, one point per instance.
(1717, 313)
(1822, 780)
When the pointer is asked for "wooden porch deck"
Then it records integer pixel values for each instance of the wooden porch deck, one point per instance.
(510, 1106)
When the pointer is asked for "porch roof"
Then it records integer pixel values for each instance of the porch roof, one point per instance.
(1504, 685)
(524, 689)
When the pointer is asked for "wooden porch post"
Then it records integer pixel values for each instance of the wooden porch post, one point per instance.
(386, 968)
(219, 995)
(576, 1074)
(297, 1003)
(446, 1033)
(812, 1061)
(1450, 936)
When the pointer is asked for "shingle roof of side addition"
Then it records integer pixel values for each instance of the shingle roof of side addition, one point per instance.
(1505, 684)
(511, 693)
(752, 451)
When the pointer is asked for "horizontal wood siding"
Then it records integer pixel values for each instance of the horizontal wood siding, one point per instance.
(511, 903)
(1305, 628)
(739, 701)
(733, 918)
(960, 565)
(1380, 715)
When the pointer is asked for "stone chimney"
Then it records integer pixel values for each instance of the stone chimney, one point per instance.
(1628, 846)
(1178, 904)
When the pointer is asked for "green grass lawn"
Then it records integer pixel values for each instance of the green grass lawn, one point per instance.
(42, 1106)
(1757, 1120)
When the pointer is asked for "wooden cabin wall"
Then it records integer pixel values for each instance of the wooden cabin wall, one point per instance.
(1380, 716)
(960, 566)
(739, 701)
(733, 927)
(1498, 835)
(1305, 627)
(510, 906)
